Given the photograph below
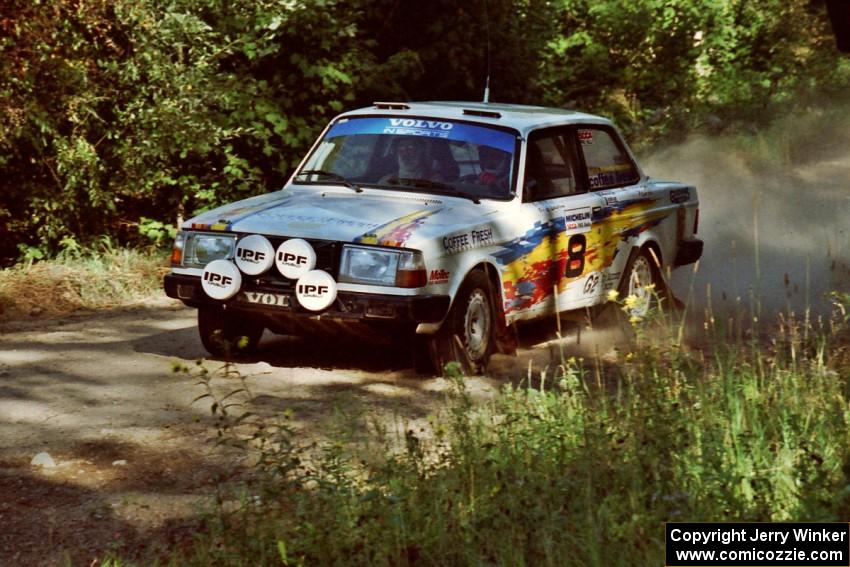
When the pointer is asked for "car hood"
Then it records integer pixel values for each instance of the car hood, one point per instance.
(383, 218)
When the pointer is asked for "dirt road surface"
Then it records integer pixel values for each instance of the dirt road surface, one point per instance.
(96, 392)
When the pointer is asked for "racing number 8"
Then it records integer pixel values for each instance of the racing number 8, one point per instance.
(575, 255)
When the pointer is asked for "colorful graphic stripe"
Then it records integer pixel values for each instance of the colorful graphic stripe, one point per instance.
(398, 231)
(223, 226)
(227, 220)
(534, 265)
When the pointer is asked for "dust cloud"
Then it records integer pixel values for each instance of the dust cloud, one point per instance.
(774, 214)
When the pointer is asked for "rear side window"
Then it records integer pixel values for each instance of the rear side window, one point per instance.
(608, 164)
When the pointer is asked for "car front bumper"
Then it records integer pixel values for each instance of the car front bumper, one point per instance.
(348, 306)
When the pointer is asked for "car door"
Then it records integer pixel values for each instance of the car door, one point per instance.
(546, 265)
(626, 208)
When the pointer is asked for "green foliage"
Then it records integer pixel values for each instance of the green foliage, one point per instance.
(115, 111)
(665, 67)
(158, 233)
(118, 111)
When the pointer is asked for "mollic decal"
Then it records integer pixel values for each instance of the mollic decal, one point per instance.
(439, 277)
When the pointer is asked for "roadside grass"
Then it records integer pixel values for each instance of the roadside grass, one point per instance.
(560, 469)
(95, 278)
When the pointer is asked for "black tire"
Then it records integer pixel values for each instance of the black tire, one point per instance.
(227, 334)
(468, 333)
(642, 279)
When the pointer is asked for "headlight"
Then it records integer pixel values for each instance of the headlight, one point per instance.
(200, 248)
(376, 266)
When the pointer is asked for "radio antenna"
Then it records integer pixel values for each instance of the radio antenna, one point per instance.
(487, 30)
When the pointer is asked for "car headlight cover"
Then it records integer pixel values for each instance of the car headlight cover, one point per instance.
(201, 248)
(377, 266)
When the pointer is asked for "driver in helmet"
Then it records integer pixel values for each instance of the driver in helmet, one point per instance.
(413, 162)
(495, 166)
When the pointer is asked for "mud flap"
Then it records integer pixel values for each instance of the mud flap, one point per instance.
(506, 335)
(441, 352)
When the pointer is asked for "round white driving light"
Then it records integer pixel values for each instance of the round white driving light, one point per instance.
(221, 279)
(254, 254)
(315, 290)
(294, 258)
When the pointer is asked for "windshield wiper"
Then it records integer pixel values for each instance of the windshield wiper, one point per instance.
(444, 188)
(335, 176)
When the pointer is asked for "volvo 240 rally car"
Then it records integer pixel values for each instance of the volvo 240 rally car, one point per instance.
(446, 221)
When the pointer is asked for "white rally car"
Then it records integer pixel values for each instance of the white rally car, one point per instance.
(448, 222)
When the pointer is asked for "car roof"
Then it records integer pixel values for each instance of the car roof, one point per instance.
(521, 117)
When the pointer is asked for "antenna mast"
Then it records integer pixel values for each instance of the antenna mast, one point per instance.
(487, 28)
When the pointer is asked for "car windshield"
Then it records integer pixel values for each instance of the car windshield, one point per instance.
(415, 154)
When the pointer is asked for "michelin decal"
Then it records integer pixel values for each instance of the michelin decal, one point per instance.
(578, 220)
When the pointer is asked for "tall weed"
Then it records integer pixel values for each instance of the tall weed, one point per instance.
(562, 471)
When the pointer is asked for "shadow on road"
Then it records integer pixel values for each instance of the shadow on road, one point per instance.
(87, 506)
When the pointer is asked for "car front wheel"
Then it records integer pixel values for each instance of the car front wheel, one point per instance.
(467, 335)
(228, 334)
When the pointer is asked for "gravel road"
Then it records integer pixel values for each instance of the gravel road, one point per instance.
(97, 393)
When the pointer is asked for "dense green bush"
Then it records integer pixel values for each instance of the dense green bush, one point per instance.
(111, 111)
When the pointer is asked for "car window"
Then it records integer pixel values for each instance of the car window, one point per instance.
(608, 164)
(551, 165)
(351, 155)
(416, 154)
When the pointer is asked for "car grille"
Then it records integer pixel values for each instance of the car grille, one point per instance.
(327, 259)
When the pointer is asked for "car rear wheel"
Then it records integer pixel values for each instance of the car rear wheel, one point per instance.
(468, 333)
(228, 334)
(642, 281)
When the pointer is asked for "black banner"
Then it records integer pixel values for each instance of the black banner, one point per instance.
(762, 545)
